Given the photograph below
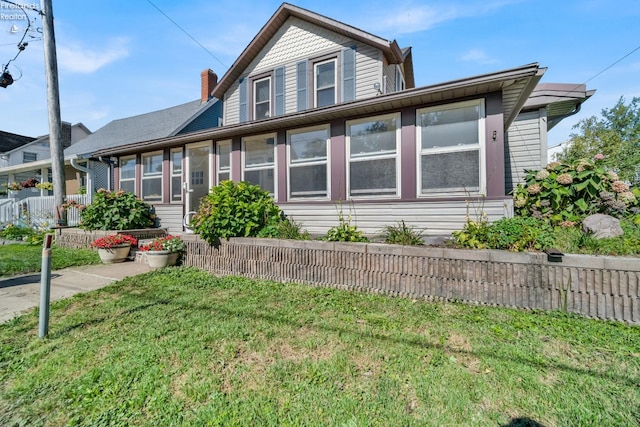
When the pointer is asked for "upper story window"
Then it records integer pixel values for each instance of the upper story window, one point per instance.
(373, 146)
(223, 163)
(308, 163)
(325, 87)
(128, 173)
(152, 176)
(262, 98)
(259, 153)
(451, 149)
(29, 157)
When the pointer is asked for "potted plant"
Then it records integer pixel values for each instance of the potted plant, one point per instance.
(114, 248)
(45, 186)
(163, 251)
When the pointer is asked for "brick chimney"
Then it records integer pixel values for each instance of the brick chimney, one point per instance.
(209, 80)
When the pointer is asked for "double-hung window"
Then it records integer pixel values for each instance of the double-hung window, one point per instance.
(308, 163)
(451, 149)
(373, 146)
(325, 87)
(262, 98)
(176, 175)
(152, 177)
(223, 163)
(259, 154)
(128, 173)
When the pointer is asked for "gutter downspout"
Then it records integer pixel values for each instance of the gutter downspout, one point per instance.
(89, 172)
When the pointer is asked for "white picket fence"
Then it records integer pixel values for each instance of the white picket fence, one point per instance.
(38, 212)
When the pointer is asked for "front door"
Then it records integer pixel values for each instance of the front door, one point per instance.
(197, 176)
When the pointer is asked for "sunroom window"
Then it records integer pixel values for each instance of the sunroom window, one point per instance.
(128, 174)
(451, 149)
(308, 165)
(223, 165)
(373, 146)
(152, 177)
(176, 175)
(259, 161)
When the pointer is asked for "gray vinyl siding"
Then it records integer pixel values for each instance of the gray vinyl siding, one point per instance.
(169, 217)
(439, 218)
(389, 78)
(296, 41)
(526, 147)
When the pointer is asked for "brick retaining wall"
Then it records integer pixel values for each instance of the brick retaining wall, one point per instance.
(594, 286)
(77, 238)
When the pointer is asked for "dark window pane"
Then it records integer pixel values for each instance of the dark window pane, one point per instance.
(372, 137)
(127, 186)
(373, 177)
(176, 188)
(263, 178)
(451, 171)
(309, 181)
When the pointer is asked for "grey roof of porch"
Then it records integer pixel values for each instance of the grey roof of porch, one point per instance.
(516, 84)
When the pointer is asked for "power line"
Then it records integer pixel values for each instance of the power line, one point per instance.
(184, 31)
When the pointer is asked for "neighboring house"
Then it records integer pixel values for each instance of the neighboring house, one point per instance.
(325, 116)
(33, 160)
(200, 114)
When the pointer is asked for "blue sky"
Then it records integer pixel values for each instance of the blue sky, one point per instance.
(121, 58)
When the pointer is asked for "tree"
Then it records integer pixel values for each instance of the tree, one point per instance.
(616, 135)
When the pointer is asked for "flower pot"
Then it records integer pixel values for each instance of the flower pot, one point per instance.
(117, 253)
(161, 259)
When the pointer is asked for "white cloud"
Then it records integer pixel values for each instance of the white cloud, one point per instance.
(479, 56)
(80, 59)
(411, 19)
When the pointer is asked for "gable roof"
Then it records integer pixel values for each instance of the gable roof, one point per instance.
(11, 141)
(515, 84)
(390, 49)
(143, 127)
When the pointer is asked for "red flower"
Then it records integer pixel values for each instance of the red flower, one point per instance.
(109, 242)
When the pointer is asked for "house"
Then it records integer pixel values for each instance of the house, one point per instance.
(32, 159)
(326, 116)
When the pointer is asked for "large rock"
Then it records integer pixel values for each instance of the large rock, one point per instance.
(602, 226)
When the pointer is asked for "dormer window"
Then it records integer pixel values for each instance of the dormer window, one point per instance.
(262, 98)
(325, 83)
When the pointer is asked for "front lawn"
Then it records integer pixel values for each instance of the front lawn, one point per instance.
(18, 258)
(182, 347)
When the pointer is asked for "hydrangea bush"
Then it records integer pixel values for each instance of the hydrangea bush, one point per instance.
(563, 194)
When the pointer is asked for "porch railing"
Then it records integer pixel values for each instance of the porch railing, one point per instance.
(38, 212)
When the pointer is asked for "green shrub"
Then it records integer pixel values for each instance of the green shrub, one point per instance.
(344, 231)
(118, 210)
(512, 234)
(290, 229)
(566, 193)
(23, 234)
(236, 209)
(401, 234)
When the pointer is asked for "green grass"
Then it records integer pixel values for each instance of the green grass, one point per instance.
(21, 259)
(180, 347)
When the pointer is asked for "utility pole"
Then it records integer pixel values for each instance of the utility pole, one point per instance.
(53, 100)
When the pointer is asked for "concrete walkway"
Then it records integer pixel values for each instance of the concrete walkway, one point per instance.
(19, 294)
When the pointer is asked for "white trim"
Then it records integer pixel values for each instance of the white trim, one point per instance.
(120, 179)
(383, 154)
(218, 168)
(335, 80)
(254, 98)
(310, 195)
(480, 146)
(153, 175)
(173, 175)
